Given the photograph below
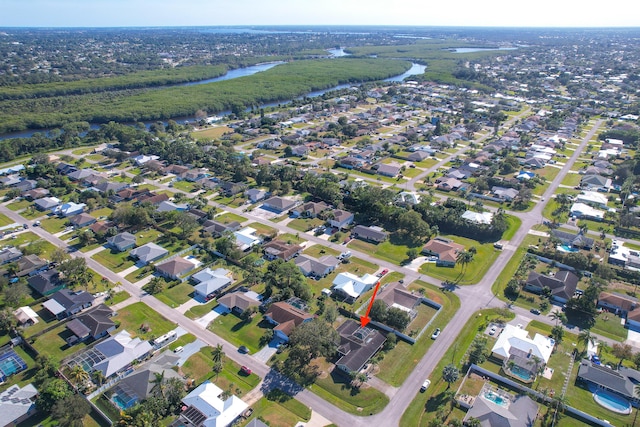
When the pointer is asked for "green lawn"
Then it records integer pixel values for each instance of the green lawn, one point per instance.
(118, 297)
(14, 206)
(319, 250)
(114, 260)
(474, 271)
(386, 250)
(176, 295)
(335, 389)
(200, 368)
(262, 229)
(228, 217)
(240, 332)
(53, 343)
(200, 310)
(185, 186)
(305, 224)
(287, 413)
(102, 212)
(572, 179)
(399, 362)
(137, 314)
(54, 224)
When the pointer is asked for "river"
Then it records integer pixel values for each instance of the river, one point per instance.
(233, 74)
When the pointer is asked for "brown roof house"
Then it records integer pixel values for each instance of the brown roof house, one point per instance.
(175, 267)
(285, 317)
(279, 204)
(279, 249)
(444, 250)
(562, 284)
(396, 296)
(238, 302)
(372, 234)
(617, 303)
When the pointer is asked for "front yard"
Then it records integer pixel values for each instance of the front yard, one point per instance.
(240, 332)
(132, 317)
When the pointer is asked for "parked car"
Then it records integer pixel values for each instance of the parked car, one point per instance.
(178, 349)
(535, 311)
(435, 334)
(493, 330)
(245, 370)
(595, 359)
(243, 349)
(425, 385)
(383, 272)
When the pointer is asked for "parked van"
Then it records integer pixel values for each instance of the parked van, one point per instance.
(178, 349)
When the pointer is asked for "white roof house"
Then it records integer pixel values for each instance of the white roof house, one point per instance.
(246, 238)
(478, 217)
(515, 338)
(581, 210)
(206, 408)
(119, 351)
(592, 197)
(352, 285)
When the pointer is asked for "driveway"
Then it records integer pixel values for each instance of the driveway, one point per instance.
(189, 350)
(267, 351)
(209, 317)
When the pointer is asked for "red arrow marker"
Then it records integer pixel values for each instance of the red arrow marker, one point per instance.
(364, 320)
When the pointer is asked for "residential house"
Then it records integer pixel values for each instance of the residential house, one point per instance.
(478, 217)
(316, 268)
(175, 268)
(562, 284)
(17, 404)
(408, 198)
(148, 253)
(395, 295)
(300, 150)
(153, 199)
(206, 406)
(371, 234)
(357, 346)
(31, 265)
(210, 283)
(217, 229)
(388, 170)
(239, 302)
(69, 209)
(623, 256)
(122, 241)
(82, 220)
(620, 381)
(47, 203)
(571, 240)
(445, 250)
(81, 174)
(91, 325)
(25, 185)
(350, 162)
(592, 198)
(340, 219)
(231, 188)
(596, 182)
(279, 204)
(169, 206)
(280, 249)
(616, 303)
(101, 227)
(26, 316)
(65, 302)
(515, 348)
(349, 287)
(285, 317)
(449, 184)
(522, 411)
(10, 181)
(418, 156)
(47, 282)
(176, 169)
(255, 195)
(310, 209)
(108, 186)
(141, 384)
(507, 194)
(193, 175)
(143, 158)
(35, 194)
(117, 354)
(10, 254)
(580, 210)
(246, 238)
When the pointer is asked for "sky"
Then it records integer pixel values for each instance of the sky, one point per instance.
(483, 13)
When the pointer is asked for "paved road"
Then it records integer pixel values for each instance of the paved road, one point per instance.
(472, 299)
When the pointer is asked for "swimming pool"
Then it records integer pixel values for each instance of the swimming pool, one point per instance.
(612, 402)
(11, 363)
(521, 373)
(495, 398)
(565, 248)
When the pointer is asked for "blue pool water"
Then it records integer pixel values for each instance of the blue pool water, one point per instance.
(565, 248)
(8, 367)
(523, 374)
(121, 403)
(493, 397)
(612, 402)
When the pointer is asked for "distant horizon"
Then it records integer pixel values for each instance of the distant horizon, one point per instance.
(214, 13)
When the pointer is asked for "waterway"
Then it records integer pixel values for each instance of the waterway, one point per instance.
(242, 72)
(478, 49)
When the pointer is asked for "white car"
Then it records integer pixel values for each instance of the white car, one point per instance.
(493, 330)
(425, 385)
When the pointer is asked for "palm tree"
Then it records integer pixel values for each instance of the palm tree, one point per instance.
(450, 374)
(559, 402)
(558, 316)
(464, 258)
(585, 338)
(217, 354)
(158, 383)
(603, 346)
(77, 375)
(636, 394)
(98, 377)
